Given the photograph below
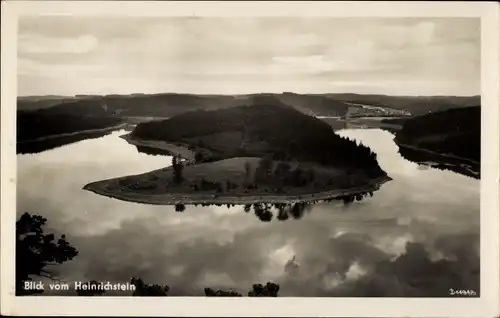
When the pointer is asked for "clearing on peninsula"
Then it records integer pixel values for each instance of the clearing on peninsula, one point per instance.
(263, 151)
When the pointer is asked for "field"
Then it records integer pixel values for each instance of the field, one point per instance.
(235, 181)
(230, 176)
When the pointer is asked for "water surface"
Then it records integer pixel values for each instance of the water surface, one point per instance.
(417, 236)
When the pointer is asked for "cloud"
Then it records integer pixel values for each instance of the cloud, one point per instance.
(223, 55)
(413, 274)
(36, 44)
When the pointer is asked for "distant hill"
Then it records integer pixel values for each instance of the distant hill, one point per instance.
(318, 105)
(29, 103)
(171, 104)
(31, 126)
(263, 127)
(417, 105)
(42, 97)
(167, 105)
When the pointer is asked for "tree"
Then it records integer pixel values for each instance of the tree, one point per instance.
(142, 289)
(35, 251)
(269, 290)
(156, 290)
(209, 292)
(264, 170)
(178, 168)
(262, 211)
(282, 213)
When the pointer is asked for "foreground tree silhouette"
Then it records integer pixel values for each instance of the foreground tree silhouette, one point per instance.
(258, 290)
(155, 290)
(269, 290)
(148, 290)
(35, 251)
(180, 207)
(209, 292)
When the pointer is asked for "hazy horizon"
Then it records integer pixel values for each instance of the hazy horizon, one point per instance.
(70, 56)
(263, 93)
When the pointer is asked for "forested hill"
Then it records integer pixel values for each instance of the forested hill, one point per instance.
(167, 105)
(31, 125)
(267, 127)
(455, 131)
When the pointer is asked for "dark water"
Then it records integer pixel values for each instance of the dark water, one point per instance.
(466, 168)
(32, 147)
(417, 236)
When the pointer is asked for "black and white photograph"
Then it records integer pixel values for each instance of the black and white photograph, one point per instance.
(248, 156)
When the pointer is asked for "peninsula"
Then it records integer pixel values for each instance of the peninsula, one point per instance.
(264, 151)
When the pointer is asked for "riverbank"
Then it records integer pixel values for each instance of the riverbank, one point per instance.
(449, 156)
(76, 133)
(101, 188)
(175, 150)
(422, 156)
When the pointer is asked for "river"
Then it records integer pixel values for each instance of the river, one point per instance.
(417, 236)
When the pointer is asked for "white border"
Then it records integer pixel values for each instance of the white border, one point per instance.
(485, 306)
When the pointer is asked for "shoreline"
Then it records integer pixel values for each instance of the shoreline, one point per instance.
(183, 152)
(436, 153)
(191, 199)
(76, 133)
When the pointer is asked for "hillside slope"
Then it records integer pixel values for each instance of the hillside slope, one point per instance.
(266, 127)
(455, 132)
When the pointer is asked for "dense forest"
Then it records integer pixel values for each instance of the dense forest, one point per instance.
(267, 128)
(37, 124)
(454, 132)
(266, 212)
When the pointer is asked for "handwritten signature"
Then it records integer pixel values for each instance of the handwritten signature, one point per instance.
(462, 292)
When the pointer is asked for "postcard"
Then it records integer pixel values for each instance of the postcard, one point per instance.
(291, 159)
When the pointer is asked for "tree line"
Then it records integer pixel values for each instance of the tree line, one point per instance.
(36, 124)
(284, 211)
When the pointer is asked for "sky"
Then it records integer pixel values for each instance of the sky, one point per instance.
(125, 55)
